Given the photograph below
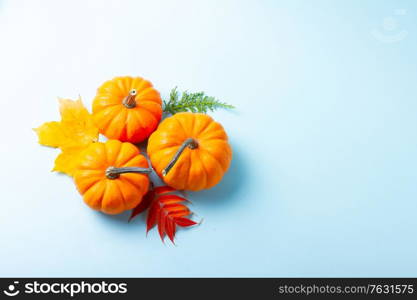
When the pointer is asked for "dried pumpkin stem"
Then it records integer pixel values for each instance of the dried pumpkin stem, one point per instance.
(190, 143)
(113, 172)
(130, 101)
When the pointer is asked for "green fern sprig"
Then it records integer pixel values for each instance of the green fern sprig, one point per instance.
(192, 102)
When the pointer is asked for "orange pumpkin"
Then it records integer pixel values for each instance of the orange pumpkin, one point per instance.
(111, 176)
(127, 109)
(190, 151)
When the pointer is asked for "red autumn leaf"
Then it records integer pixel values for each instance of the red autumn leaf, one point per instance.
(168, 211)
(184, 222)
(164, 189)
(152, 218)
(171, 199)
(167, 189)
(143, 205)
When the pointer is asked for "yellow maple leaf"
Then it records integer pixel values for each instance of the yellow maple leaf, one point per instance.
(75, 132)
(67, 161)
(51, 134)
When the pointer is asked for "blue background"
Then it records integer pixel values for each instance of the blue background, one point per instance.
(323, 179)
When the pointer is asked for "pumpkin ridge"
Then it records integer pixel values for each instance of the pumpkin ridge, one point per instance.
(156, 102)
(101, 107)
(207, 128)
(152, 100)
(168, 134)
(104, 196)
(123, 132)
(179, 168)
(201, 131)
(164, 147)
(92, 185)
(97, 180)
(139, 187)
(164, 156)
(140, 164)
(112, 88)
(89, 159)
(229, 149)
(121, 162)
(136, 82)
(98, 197)
(148, 110)
(189, 143)
(192, 126)
(112, 149)
(98, 177)
(105, 86)
(115, 183)
(136, 115)
(105, 160)
(197, 156)
(142, 83)
(189, 166)
(104, 100)
(182, 127)
(203, 141)
(123, 84)
(100, 153)
(214, 158)
(143, 92)
(105, 120)
(120, 117)
(131, 121)
(137, 190)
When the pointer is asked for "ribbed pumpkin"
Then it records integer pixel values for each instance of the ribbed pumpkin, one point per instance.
(190, 151)
(127, 109)
(111, 176)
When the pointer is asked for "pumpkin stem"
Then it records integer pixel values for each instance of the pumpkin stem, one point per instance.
(129, 101)
(190, 143)
(113, 172)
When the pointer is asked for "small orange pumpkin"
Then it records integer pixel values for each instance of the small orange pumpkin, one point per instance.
(111, 176)
(190, 151)
(127, 109)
